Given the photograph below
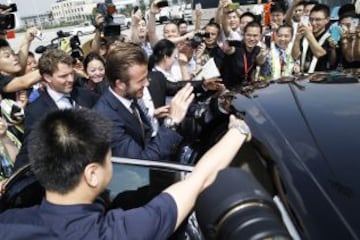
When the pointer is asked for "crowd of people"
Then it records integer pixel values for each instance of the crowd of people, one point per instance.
(140, 88)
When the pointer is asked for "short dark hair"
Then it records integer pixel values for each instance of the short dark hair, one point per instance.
(63, 143)
(277, 7)
(248, 14)
(321, 8)
(253, 24)
(48, 62)
(119, 59)
(4, 43)
(286, 25)
(181, 21)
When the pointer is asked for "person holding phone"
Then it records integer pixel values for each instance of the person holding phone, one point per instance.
(279, 63)
(313, 45)
(242, 58)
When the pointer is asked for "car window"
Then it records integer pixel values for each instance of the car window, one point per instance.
(135, 182)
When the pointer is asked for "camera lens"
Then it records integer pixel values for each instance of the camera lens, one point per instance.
(235, 206)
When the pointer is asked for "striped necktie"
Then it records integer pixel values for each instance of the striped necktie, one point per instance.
(136, 114)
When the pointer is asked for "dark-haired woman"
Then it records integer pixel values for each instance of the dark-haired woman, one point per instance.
(94, 67)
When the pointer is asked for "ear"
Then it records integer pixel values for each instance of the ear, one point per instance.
(47, 77)
(91, 175)
(120, 85)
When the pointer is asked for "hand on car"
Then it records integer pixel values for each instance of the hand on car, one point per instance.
(213, 84)
(239, 124)
(180, 103)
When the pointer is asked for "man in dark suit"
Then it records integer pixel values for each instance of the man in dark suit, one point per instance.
(126, 71)
(56, 68)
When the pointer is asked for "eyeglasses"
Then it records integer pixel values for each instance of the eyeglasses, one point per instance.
(316, 19)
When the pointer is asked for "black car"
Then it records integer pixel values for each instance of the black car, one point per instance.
(298, 172)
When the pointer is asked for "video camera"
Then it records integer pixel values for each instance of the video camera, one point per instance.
(198, 39)
(75, 45)
(107, 9)
(7, 20)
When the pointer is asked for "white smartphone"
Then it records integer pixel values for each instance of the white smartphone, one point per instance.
(39, 35)
(305, 20)
(198, 6)
(354, 23)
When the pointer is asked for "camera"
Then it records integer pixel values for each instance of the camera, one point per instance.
(7, 21)
(198, 39)
(109, 28)
(76, 51)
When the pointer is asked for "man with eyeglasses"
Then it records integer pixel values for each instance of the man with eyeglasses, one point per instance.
(313, 45)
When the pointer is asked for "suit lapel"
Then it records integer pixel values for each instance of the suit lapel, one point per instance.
(128, 117)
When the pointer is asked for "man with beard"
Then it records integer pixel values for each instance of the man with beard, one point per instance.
(313, 45)
(127, 73)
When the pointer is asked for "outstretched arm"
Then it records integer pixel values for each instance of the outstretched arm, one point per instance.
(186, 192)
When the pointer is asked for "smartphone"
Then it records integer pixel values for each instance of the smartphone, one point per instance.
(162, 4)
(354, 23)
(39, 35)
(305, 20)
(335, 32)
(268, 41)
(233, 6)
(198, 6)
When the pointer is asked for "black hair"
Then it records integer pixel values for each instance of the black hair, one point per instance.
(286, 25)
(253, 24)
(346, 10)
(31, 54)
(161, 49)
(301, 3)
(213, 24)
(181, 21)
(93, 56)
(63, 143)
(277, 7)
(248, 14)
(306, 3)
(321, 8)
(4, 43)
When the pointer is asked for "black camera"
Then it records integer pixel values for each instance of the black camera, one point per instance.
(54, 44)
(198, 39)
(7, 21)
(109, 28)
(76, 51)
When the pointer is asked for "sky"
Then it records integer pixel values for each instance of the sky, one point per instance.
(30, 7)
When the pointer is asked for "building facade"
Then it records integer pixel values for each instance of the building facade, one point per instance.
(72, 10)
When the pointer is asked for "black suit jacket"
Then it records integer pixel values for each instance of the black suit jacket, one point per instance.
(127, 140)
(160, 87)
(44, 105)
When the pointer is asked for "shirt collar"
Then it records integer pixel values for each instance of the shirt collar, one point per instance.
(126, 102)
(56, 96)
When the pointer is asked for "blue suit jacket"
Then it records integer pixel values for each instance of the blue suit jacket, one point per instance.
(127, 140)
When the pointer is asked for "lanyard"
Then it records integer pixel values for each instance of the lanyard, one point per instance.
(246, 67)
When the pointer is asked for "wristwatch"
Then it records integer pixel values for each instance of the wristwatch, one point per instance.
(169, 123)
(244, 129)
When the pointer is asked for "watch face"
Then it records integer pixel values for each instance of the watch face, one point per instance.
(168, 122)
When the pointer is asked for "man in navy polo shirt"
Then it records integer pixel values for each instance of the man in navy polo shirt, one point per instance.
(71, 157)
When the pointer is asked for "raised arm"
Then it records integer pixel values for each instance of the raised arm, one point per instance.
(23, 82)
(218, 157)
(25, 46)
(153, 38)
